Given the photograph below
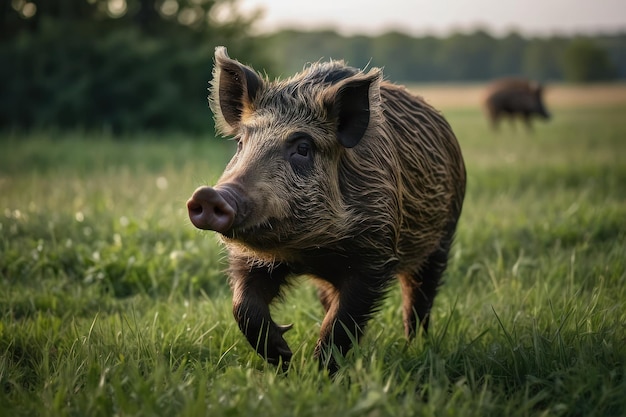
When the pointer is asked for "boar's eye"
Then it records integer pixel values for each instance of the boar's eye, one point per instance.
(303, 149)
(299, 152)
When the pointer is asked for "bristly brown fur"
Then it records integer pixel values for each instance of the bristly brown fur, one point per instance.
(380, 198)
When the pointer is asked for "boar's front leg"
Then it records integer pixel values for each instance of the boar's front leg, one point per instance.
(254, 288)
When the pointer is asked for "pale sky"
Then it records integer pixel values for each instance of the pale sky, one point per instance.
(418, 17)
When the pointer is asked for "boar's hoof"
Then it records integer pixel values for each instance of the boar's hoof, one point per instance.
(285, 328)
(277, 349)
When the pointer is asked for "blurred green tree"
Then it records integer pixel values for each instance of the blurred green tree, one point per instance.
(118, 65)
(542, 59)
(584, 61)
(467, 56)
(508, 55)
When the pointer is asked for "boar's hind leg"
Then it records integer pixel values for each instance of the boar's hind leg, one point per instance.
(419, 289)
(253, 291)
(348, 310)
(327, 295)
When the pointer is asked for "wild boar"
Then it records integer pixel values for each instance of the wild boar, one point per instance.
(340, 176)
(514, 97)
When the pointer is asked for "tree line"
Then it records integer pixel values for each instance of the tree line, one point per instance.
(472, 56)
(130, 65)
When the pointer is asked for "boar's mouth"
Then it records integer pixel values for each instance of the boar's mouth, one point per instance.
(252, 234)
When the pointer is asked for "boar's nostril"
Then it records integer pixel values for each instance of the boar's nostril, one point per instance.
(194, 207)
(218, 211)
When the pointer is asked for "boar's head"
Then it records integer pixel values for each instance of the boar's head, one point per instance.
(536, 104)
(283, 190)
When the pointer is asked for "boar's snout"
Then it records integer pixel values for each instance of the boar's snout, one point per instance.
(209, 210)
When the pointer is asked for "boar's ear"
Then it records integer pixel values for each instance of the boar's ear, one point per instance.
(352, 104)
(233, 90)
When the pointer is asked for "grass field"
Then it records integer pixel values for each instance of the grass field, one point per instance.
(112, 304)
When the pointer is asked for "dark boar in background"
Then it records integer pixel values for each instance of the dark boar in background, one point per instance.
(515, 97)
(339, 176)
